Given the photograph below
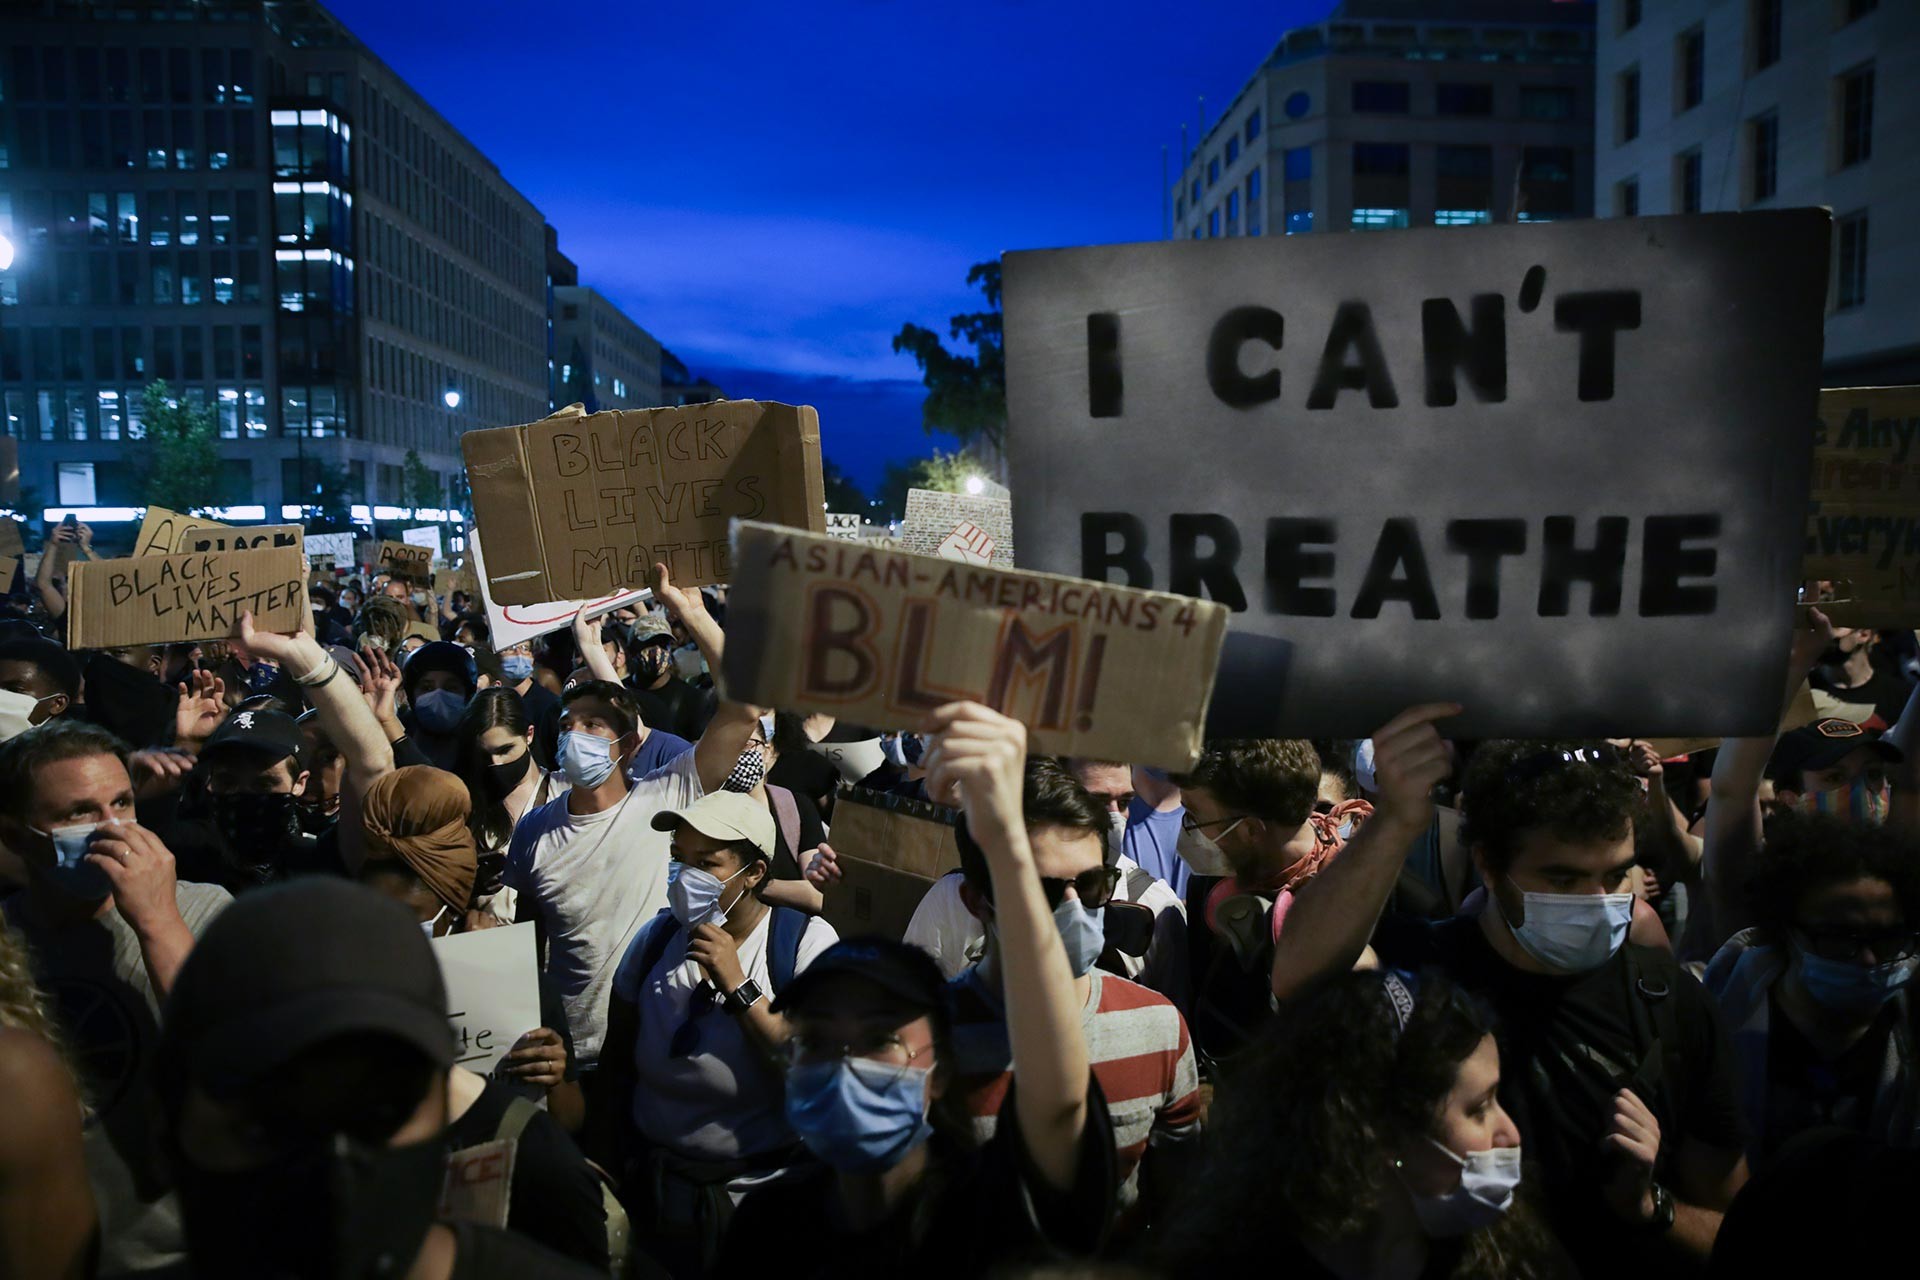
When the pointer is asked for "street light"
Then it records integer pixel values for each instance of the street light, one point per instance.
(976, 486)
(452, 398)
(6, 253)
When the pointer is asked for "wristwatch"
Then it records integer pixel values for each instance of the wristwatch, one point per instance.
(748, 994)
(1662, 1219)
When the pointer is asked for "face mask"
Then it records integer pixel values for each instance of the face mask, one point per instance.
(586, 759)
(254, 826)
(316, 818)
(260, 677)
(1858, 802)
(653, 661)
(349, 601)
(1846, 987)
(16, 713)
(902, 749)
(335, 1210)
(1082, 931)
(693, 895)
(516, 666)
(71, 873)
(503, 778)
(1203, 853)
(1117, 833)
(1573, 932)
(427, 926)
(858, 1116)
(748, 771)
(1487, 1183)
(439, 710)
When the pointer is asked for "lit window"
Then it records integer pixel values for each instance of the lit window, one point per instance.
(1378, 219)
(1461, 217)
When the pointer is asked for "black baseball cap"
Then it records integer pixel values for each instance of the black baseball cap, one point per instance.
(268, 736)
(291, 966)
(1825, 743)
(897, 968)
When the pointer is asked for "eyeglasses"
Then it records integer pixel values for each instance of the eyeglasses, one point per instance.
(1094, 888)
(883, 1048)
(1847, 944)
(1189, 827)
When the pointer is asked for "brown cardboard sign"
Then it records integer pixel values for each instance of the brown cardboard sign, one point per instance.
(479, 1183)
(160, 531)
(169, 599)
(974, 529)
(891, 850)
(9, 566)
(1863, 531)
(881, 637)
(11, 543)
(220, 537)
(406, 561)
(578, 505)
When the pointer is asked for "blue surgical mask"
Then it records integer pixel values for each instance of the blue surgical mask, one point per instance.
(856, 1115)
(1573, 932)
(516, 666)
(587, 760)
(439, 710)
(1083, 932)
(1488, 1180)
(71, 872)
(1846, 987)
(693, 895)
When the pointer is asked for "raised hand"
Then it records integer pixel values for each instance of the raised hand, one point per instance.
(157, 770)
(381, 684)
(823, 867)
(680, 603)
(201, 707)
(982, 755)
(1409, 759)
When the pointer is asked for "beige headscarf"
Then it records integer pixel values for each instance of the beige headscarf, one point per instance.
(418, 815)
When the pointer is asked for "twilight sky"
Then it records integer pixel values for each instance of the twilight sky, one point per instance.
(772, 189)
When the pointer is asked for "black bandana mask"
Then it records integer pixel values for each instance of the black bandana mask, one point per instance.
(254, 827)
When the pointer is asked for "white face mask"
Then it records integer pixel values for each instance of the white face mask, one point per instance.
(1487, 1183)
(1117, 833)
(1573, 932)
(427, 926)
(16, 713)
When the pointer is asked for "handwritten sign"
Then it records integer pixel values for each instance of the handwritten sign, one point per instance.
(9, 571)
(479, 1185)
(511, 624)
(405, 561)
(968, 544)
(580, 504)
(337, 545)
(1415, 462)
(843, 524)
(1863, 532)
(958, 526)
(493, 996)
(891, 850)
(220, 537)
(179, 598)
(427, 536)
(160, 531)
(882, 637)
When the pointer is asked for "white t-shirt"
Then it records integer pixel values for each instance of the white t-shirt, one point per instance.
(720, 1099)
(594, 880)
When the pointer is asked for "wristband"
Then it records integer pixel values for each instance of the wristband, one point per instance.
(319, 676)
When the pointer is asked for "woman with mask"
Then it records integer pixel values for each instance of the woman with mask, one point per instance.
(438, 680)
(1366, 1139)
(901, 1189)
(1816, 992)
(493, 749)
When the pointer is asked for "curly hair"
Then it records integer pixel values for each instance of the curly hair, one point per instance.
(1274, 779)
(1806, 852)
(1307, 1127)
(1512, 788)
(23, 1006)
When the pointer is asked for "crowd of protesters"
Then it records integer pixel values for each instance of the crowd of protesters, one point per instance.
(1397, 1007)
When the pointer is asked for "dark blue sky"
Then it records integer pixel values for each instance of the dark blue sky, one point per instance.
(772, 189)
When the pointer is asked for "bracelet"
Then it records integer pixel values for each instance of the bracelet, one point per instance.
(314, 679)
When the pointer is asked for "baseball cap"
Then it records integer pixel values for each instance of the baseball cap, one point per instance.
(1825, 743)
(900, 969)
(724, 815)
(650, 625)
(291, 966)
(269, 735)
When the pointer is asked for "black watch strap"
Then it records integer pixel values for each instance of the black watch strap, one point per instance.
(744, 996)
(1662, 1219)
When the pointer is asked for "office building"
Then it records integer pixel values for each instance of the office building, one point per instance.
(680, 385)
(605, 360)
(1711, 105)
(238, 197)
(1399, 113)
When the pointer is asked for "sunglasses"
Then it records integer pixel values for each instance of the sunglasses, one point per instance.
(1094, 888)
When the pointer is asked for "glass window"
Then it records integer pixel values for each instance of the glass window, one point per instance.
(190, 279)
(133, 362)
(1253, 185)
(222, 263)
(294, 417)
(185, 154)
(179, 75)
(159, 218)
(78, 411)
(1851, 253)
(219, 155)
(163, 281)
(100, 280)
(1253, 124)
(1629, 95)
(1384, 97)
(119, 75)
(1452, 99)
(1233, 211)
(120, 151)
(243, 126)
(1687, 180)
(189, 218)
(255, 403)
(126, 218)
(219, 217)
(213, 74)
(111, 417)
(1546, 102)
(153, 86)
(193, 365)
(45, 366)
(86, 74)
(1299, 164)
(1763, 145)
(153, 132)
(1690, 68)
(1213, 171)
(1213, 221)
(226, 403)
(75, 480)
(1763, 32)
(246, 218)
(1372, 219)
(240, 73)
(1390, 158)
(1233, 149)
(99, 225)
(1629, 14)
(93, 140)
(225, 352)
(166, 361)
(1856, 115)
(1626, 198)
(59, 141)
(250, 353)
(248, 278)
(1461, 217)
(53, 73)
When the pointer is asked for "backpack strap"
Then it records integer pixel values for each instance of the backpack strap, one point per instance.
(783, 945)
(787, 811)
(655, 936)
(514, 1122)
(1656, 1019)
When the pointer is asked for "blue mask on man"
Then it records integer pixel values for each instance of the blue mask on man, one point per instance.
(439, 710)
(857, 1115)
(516, 666)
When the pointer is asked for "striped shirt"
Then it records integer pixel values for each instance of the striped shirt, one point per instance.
(1136, 1042)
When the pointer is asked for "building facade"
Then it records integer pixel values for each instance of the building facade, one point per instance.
(1397, 113)
(605, 360)
(239, 198)
(1711, 105)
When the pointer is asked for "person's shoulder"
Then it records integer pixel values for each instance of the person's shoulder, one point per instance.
(199, 902)
(42, 1102)
(1118, 995)
(818, 935)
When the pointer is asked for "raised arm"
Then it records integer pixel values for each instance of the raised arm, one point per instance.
(593, 653)
(984, 754)
(51, 597)
(726, 737)
(1334, 914)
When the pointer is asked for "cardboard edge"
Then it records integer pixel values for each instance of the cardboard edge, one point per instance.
(496, 461)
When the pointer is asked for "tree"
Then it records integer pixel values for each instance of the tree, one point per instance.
(331, 510)
(945, 472)
(420, 487)
(178, 454)
(966, 394)
(842, 493)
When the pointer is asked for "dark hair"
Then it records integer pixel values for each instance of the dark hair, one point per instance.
(1274, 779)
(325, 591)
(489, 820)
(1052, 797)
(1803, 853)
(619, 697)
(54, 661)
(790, 732)
(1307, 1125)
(1512, 788)
(24, 755)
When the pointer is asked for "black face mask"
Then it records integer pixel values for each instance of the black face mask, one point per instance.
(316, 818)
(254, 826)
(335, 1211)
(653, 660)
(503, 778)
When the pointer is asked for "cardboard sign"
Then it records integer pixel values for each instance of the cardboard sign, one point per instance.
(406, 561)
(11, 543)
(337, 545)
(511, 624)
(843, 524)
(179, 598)
(493, 994)
(220, 537)
(9, 572)
(160, 531)
(579, 505)
(427, 536)
(1863, 530)
(1417, 462)
(880, 637)
(479, 1185)
(958, 526)
(891, 849)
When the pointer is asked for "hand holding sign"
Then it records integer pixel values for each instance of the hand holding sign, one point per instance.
(1409, 760)
(538, 1058)
(983, 755)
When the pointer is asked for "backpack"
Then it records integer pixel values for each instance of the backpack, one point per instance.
(519, 1114)
(783, 943)
(787, 812)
